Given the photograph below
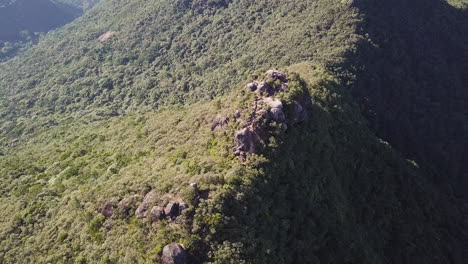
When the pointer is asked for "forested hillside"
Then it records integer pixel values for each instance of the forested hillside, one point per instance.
(146, 123)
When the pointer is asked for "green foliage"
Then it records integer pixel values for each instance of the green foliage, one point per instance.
(85, 121)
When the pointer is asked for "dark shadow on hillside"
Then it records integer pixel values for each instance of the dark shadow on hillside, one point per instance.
(412, 83)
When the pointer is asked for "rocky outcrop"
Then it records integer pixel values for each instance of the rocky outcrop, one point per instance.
(219, 123)
(245, 141)
(157, 214)
(127, 204)
(268, 108)
(105, 36)
(172, 210)
(151, 207)
(142, 210)
(174, 254)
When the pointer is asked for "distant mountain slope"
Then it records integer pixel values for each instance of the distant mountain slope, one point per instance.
(21, 21)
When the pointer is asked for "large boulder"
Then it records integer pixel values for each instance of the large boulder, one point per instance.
(142, 210)
(263, 87)
(174, 254)
(157, 213)
(172, 210)
(244, 141)
(273, 102)
(278, 114)
(219, 122)
(276, 108)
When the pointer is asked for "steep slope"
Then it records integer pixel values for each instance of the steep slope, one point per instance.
(325, 190)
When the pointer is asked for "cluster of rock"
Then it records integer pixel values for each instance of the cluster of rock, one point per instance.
(148, 207)
(267, 108)
(157, 213)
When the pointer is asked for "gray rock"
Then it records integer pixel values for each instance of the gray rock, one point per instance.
(284, 87)
(273, 102)
(277, 75)
(278, 114)
(172, 210)
(237, 114)
(194, 185)
(219, 123)
(244, 141)
(157, 213)
(263, 87)
(142, 210)
(174, 254)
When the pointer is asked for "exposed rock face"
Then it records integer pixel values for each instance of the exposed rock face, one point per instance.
(174, 254)
(108, 209)
(267, 108)
(219, 123)
(276, 108)
(244, 140)
(172, 210)
(142, 210)
(157, 213)
(106, 36)
(277, 75)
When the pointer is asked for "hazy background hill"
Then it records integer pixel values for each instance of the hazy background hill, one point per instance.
(23, 21)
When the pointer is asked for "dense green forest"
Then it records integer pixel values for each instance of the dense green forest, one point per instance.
(120, 133)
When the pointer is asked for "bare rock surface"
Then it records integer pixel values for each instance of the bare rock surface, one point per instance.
(157, 213)
(174, 254)
(142, 210)
(219, 123)
(172, 210)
